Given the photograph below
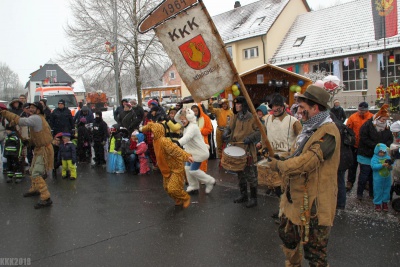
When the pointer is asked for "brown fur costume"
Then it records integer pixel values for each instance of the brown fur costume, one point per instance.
(170, 159)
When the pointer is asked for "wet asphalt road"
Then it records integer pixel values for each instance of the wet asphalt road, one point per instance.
(124, 220)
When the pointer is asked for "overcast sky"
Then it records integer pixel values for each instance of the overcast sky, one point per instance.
(32, 30)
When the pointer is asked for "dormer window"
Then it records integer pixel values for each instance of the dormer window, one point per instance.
(172, 75)
(51, 73)
(299, 41)
(257, 22)
(241, 23)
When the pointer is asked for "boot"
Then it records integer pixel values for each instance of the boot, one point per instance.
(193, 187)
(33, 191)
(349, 186)
(208, 180)
(253, 198)
(243, 194)
(385, 207)
(42, 188)
(43, 203)
(186, 203)
(293, 257)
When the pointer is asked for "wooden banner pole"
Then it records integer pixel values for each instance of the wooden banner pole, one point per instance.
(242, 86)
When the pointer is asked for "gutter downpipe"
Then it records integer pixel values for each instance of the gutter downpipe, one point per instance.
(262, 40)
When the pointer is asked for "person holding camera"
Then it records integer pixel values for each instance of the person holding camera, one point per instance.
(374, 131)
(381, 165)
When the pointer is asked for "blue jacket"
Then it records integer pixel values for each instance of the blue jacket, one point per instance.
(67, 152)
(377, 161)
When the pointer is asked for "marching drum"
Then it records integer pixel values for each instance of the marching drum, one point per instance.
(266, 176)
(234, 158)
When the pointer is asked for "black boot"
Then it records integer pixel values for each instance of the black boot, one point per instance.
(243, 194)
(43, 203)
(253, 198)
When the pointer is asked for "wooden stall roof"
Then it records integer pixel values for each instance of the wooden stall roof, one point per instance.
(258, 90)
(290, 73)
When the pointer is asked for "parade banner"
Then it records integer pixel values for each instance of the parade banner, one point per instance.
(195, 50)
(384, 13)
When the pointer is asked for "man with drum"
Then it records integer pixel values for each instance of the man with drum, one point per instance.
(308, 203)
(282, 130)
(223, 115)
(243, 132)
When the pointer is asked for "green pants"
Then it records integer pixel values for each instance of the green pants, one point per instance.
(67, 165)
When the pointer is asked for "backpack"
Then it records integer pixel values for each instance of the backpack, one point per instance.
(347, 142)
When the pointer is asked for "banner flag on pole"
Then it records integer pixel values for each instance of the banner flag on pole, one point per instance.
(384, 13)
(194, 49)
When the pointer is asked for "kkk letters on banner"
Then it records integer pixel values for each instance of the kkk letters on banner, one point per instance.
(385, 18)
(196, 52)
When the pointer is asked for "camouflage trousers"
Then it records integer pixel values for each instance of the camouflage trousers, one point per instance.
(315, 250)
(249, 175)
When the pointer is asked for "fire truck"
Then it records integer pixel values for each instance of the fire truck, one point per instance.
(97, 100)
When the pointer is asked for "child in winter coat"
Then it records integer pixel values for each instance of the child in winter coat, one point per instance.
(83, 145)
(56, 147)
(141, 149)
(67, 157)
(115, 162)
(12, 152)
(381, 166)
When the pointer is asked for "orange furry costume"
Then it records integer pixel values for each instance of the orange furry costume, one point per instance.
(170, 160)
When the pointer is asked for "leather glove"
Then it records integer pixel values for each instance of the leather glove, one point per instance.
(226, 134)
(273, 164)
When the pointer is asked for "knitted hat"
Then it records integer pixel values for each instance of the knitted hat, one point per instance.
(383, 112)
(99, 113)
(68, 135)
(363, 106)
(336, 101)
(263, 108)
(140, 137)
(395, 127)
(59, 135)
(61, 101)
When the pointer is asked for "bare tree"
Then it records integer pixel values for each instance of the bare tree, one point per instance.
(97, 22)
(10, 85)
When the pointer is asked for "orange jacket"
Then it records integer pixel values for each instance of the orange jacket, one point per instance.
(355, 122)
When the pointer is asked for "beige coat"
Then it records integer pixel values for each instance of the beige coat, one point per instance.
(321, 174)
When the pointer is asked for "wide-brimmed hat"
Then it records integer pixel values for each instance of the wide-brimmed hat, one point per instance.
(317, 95)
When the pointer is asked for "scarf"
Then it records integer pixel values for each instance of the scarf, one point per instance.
(309, 127)
(380, 126)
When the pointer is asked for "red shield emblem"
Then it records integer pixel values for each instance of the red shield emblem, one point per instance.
(196, 53)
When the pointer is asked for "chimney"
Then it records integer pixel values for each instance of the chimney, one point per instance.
(237, 4)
